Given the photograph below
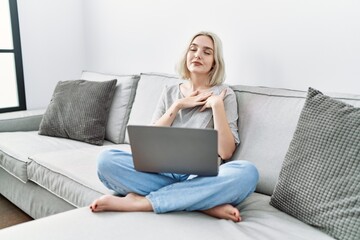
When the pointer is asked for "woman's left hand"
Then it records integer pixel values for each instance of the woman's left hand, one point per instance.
(213, 100)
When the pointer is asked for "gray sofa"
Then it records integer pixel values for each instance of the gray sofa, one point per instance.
(48, 176)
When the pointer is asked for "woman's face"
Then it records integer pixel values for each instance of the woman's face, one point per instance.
(200, 55)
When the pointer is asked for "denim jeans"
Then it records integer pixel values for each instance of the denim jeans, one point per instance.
(178, 192)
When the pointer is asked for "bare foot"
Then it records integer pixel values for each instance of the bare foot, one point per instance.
(130, 203)
(225, 211)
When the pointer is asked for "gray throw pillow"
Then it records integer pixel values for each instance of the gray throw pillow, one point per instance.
(319, 182)
(79, 110)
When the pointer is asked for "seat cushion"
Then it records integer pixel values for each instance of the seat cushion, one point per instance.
(70, 174)
(16, 147)
(260, 221)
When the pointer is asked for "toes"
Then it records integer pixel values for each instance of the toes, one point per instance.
(235, 215)
(94, 206)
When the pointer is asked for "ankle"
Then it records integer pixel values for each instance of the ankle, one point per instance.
(139, 203)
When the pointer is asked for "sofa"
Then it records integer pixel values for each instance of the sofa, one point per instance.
(53, 179)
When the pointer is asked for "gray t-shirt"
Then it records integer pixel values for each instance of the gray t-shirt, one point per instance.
(192, 117)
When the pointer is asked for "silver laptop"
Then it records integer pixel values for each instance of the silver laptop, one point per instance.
(174, 150)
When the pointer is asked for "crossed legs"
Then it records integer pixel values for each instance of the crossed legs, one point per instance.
(215, 196)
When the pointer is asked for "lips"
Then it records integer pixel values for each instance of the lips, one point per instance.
(196, 63)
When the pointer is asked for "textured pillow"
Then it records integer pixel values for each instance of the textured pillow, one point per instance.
(319, 182)
(79, 110)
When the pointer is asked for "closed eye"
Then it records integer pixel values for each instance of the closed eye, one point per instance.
(193, 48)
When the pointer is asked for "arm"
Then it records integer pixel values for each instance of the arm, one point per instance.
(169, 116)
(193, 100)
(226, 141)
(28, 120)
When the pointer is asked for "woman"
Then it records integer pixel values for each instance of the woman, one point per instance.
(202, 101)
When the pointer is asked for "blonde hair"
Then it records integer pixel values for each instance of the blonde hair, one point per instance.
(217, 72)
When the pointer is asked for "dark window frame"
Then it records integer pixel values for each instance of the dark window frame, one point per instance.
(18, 58)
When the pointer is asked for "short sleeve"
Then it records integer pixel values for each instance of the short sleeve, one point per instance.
(160, 107)
(230, 105)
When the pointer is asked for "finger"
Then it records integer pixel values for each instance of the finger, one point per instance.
(205, 106)
(200, 103)
(223, 93)
(205, 96)
(194, 93)
(202, 99)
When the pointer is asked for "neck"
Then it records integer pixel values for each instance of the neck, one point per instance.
(199, 82)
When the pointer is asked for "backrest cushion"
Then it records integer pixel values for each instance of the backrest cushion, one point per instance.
(149, 89)
(267, 122)
(121, 104)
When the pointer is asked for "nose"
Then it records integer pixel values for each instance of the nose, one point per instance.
(197, 55)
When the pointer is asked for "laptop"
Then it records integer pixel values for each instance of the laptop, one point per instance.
(174, 150)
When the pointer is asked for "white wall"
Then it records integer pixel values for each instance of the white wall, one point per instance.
(278, 43)
(52, 46)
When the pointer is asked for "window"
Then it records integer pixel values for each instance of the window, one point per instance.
(12, 92)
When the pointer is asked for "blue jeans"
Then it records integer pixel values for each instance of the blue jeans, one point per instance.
(178, 192)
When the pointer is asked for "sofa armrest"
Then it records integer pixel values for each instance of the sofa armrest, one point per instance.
(28, 120)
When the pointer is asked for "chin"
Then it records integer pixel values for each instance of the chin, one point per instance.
(197, 71)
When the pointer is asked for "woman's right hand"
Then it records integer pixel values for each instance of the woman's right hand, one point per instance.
(193, 100)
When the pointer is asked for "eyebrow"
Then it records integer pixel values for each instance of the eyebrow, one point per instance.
(207, 48)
